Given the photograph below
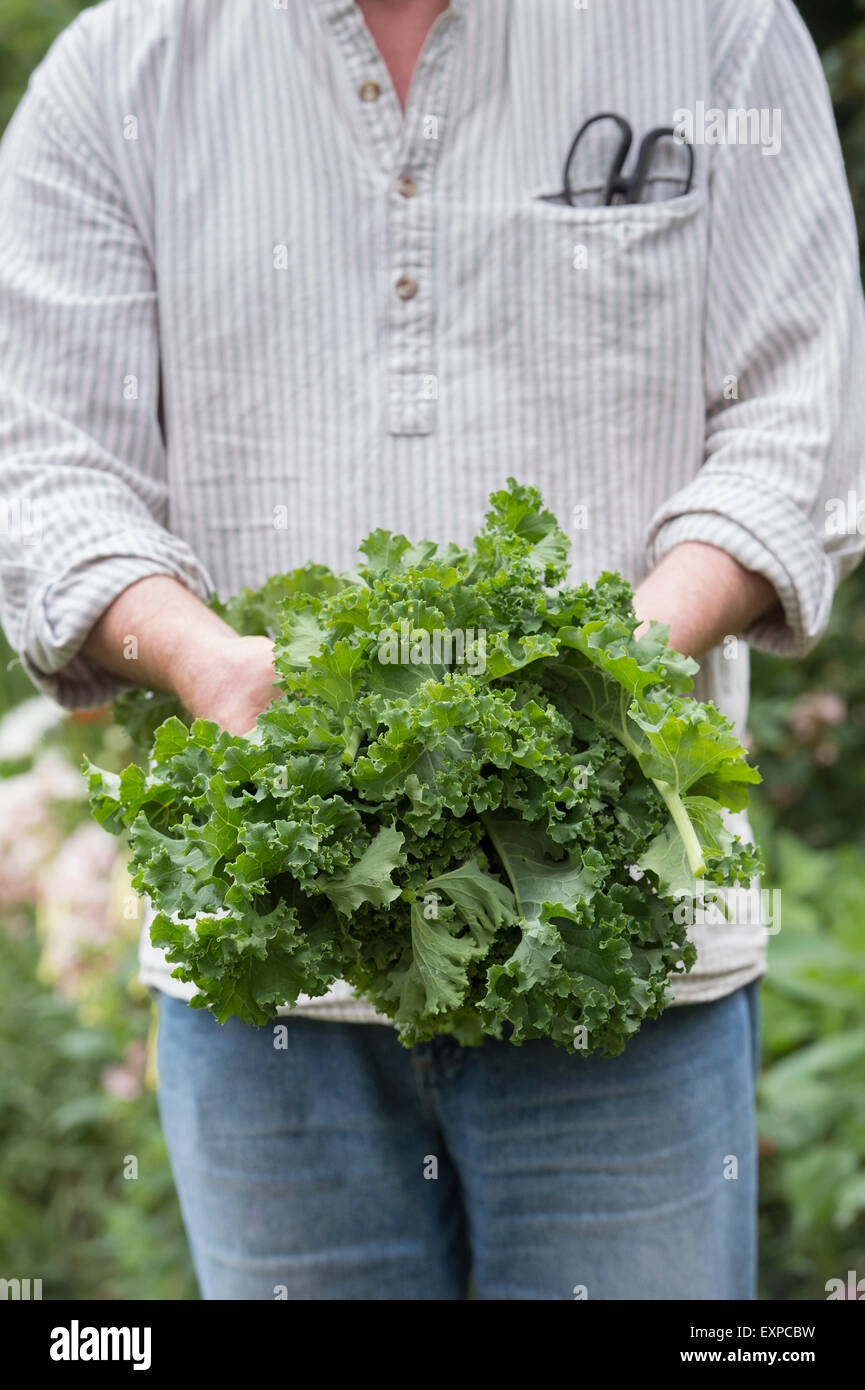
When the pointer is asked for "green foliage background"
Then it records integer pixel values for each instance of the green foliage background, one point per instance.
(68, 1216)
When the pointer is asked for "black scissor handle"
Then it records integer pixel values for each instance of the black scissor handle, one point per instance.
(614, 179)
(627, 189)
(632, 188)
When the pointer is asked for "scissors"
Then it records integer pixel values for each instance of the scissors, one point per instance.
(620, 187)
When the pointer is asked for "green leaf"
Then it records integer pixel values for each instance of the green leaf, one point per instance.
(666, 858)
(689, 742)
(384, 551)
(369, 879)
(537, 875)
(483, 903)
(301, 638)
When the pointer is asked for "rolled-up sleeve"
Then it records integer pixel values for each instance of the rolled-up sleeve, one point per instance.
(784, 352)
(83, 491)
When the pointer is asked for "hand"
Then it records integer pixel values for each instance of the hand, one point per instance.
(182, 647)
(705, 595)
(230, 680)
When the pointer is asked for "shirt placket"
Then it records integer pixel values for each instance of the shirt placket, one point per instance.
(406, 150)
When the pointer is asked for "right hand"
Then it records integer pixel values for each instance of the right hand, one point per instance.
(182, 647)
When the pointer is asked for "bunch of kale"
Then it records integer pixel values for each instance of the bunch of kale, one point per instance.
(478, 801)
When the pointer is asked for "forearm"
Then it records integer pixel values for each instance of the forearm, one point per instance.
(704, 594)
(159, 634)
(155, 634)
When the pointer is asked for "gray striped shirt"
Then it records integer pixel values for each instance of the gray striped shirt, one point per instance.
(249, 312)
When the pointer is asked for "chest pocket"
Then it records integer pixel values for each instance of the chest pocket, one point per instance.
(596, 314)
(612, 297)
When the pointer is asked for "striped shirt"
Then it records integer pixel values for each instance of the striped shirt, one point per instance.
(250, 311)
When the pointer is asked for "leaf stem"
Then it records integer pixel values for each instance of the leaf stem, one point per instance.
(682, 822)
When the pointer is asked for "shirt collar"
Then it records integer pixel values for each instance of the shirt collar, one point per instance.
(336, 9)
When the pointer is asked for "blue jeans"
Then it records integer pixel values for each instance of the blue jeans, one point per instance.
(342, 1166)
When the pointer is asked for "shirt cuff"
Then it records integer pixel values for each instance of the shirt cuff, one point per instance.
(768, 534)
(63, 613)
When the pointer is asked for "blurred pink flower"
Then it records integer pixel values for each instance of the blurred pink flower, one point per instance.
(76, 919)
(29, 832)
(815, 712)
(24, 726)
(125, 1080)
(826, 753)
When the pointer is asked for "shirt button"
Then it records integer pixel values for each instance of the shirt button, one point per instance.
(406, 287)
(370, 91)
(406, 185)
